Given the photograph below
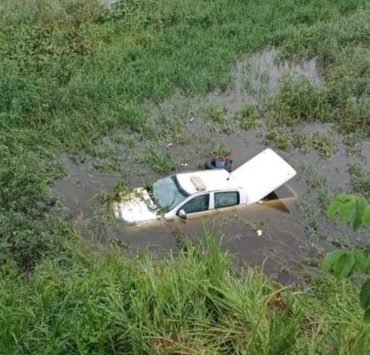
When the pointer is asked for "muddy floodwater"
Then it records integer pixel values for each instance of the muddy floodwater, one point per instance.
(279, 234)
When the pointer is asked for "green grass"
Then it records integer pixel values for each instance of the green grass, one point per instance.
(159, 160)
(360, 180)
(219, 118)
(70, 74)
(195, 302)
(341, 47)
(248, 118)
(321, 143)
(280, 137)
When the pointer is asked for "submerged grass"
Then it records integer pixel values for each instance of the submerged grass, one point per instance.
(195, 302)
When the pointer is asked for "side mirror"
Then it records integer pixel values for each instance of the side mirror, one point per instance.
(182, 214)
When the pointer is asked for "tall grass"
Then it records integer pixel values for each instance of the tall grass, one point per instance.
(101, 302)
(342, 49)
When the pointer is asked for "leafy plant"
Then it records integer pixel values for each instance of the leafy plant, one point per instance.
(352, 210)
(221, 150)
(321, 143)
(122, 192)
(279, 137)
(248, 118)
(217, 114)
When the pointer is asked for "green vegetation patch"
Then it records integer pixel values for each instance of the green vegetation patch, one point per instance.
(159, 160)
(97, 302)
(71, 73)
(298, 101)
(248, 118)
(342, 49)
(321, 143)
(360, 180)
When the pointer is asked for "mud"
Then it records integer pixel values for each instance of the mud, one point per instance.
(183, 133)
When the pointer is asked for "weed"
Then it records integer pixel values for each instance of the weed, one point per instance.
(318, 183)
(248, 118)
(122, 192)
(311, 215)
(360, 180)
(158, 160)
(219, 115)
(313, 179)
(279, 137)
(168, 129)
(221, 151)
(298, 101)
(322, 144)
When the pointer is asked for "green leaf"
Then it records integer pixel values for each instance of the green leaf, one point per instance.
(366, 217)
(344, 265)
(361, 205)
(333, 209)
(367, 315)
(347, 210)
(331, 259)
(365, 295)
(362, 261)
(336, 204)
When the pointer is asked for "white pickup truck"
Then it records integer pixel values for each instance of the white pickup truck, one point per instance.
(197, 193)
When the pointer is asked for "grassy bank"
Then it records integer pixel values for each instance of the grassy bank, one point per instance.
(96, 302)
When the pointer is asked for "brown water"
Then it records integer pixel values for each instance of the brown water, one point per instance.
(286, 239)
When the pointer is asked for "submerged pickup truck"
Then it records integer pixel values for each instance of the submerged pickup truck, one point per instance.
(198, 193)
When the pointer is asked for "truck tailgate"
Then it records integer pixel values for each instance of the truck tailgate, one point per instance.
(263, 174)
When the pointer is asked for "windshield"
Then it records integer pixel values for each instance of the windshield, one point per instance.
(167, 193)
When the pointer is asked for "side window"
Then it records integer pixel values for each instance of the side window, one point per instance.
(226, 199)
(197, 204)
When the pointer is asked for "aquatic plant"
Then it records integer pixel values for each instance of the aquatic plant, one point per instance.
(248, 118)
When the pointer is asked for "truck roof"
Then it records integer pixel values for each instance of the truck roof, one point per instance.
(213, 180)
(258, 177)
